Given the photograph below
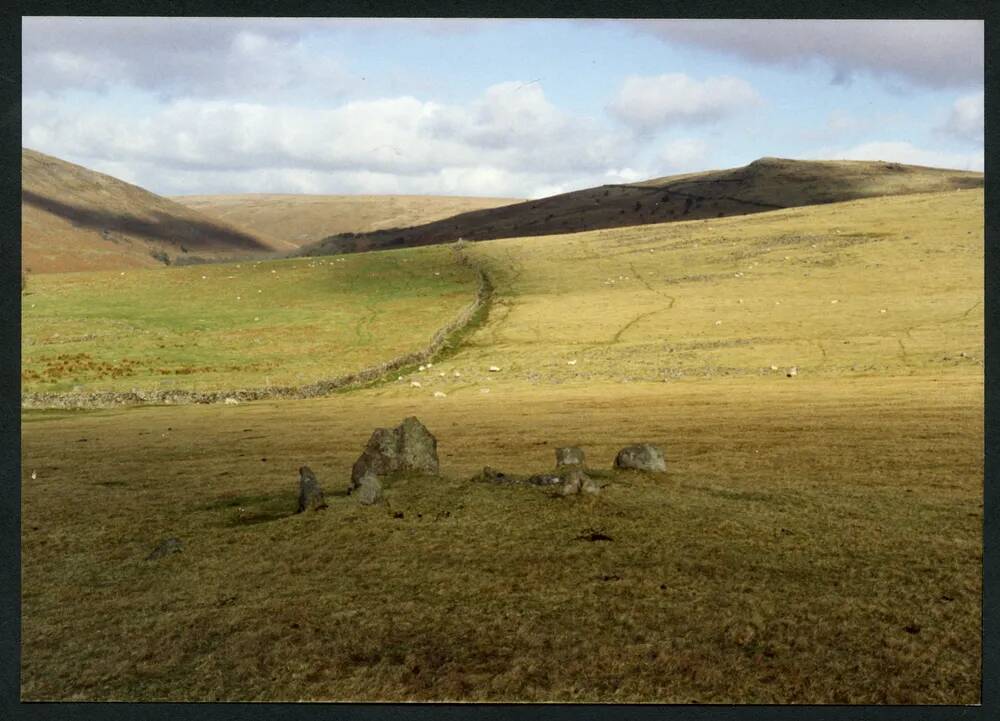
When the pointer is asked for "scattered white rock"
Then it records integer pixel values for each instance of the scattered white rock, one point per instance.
(882, 311)
(441, 374)
(231, 402)
(430, 365)
(484, 390)
(718, 322)
(274, 271)
(571, 362)
(834, 301)
(439, 394)
(415, 384)
(457, 374)
(399, 378)
(237, 297)
(204, 277)
(255, 318)
(422, 368)
(792, 372)
(774, 368)
(34, 475)
(494, 369)
(777, 302)
(123, 272)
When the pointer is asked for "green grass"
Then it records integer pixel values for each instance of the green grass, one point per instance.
(816, 539)
(220, 327)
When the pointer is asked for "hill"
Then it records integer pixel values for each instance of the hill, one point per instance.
(815, 539)
(73, 218)
(765, 184)
(305, 219)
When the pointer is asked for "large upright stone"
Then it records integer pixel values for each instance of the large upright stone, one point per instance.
(571, 456)
(310, 494)
(407, 447)
(641, 457)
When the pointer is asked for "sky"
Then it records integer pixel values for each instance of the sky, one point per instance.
(503, 108)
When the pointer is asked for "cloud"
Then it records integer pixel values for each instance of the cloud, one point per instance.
(902, 152)
(685, 154)
(966, 120)
(175, 57)
(651, 103)
(931, 53)
(509, 141)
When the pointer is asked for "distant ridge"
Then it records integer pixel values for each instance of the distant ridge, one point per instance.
(73, 218)
(305, 219)
(765, 184)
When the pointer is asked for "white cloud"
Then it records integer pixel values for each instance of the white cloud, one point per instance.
(902, 152)
(966, 119)
(685, 154)
(177, 57)
(650, 103)
(509, 141)
(932, 53)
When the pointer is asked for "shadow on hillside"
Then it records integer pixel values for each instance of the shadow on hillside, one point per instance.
(192, 234)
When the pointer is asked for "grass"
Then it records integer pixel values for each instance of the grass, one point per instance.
(800, 531)
(816, 539)
(229, 326)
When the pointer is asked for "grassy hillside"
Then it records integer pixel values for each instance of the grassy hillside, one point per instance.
(816, 539)
(765, 184)
(239, 325)
(75, 219)
(304, 219)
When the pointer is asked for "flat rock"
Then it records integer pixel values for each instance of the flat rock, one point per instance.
(641, 457)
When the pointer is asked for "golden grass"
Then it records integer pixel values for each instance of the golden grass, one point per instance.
(801, 530)
(816, 539)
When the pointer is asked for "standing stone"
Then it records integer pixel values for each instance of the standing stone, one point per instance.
(407, 447)
(369, 489)
(165, 548)
(572, 482)
(641, 457)
(310, 494)
(571, 456)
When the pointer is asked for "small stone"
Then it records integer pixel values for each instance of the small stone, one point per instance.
(494, 369)
(310, 494)
(569, 456)
(231, 402)
(792, 372)
(415, 384)
(165, 548)
(369, 489)
(439, 394)
(641, 457)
